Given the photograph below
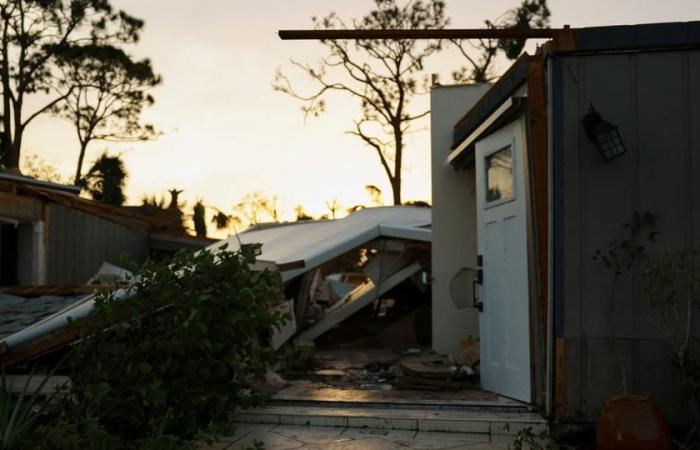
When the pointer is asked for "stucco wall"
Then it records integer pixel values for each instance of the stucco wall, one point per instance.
(654, 99)
(453, 218)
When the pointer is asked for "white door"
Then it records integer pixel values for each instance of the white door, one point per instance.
(502, 244)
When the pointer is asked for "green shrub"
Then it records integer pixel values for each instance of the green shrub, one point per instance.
(20, 411)
(165, 442)
(65, 435)
(178, 355)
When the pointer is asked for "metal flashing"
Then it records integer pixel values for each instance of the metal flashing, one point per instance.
(501, 91)
(40, 183)
(653, 36)
(462, 156)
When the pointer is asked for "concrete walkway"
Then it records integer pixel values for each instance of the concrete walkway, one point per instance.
(288, 437)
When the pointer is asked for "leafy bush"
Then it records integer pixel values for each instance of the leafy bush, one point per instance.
(20, 411)
(178, 355)
(673, 290)
(65, 435)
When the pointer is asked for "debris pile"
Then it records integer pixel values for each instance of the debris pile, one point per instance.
(434, 372)
(384, 370)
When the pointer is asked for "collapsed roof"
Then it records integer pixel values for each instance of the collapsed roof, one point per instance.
(294, 249)
(303, 246)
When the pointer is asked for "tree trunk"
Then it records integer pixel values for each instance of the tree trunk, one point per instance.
(16, 147)
(396, 190)
(398, 156)
(79, 169)
(6, 143)
(12, 157)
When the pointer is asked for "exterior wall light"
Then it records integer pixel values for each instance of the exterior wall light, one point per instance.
(604, 135)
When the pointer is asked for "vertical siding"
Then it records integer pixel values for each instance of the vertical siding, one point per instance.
(655, 101)
(79, 243)
(694, 137)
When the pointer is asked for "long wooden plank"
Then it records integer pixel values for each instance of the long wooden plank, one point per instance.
(539, 141)
(354, 301)
(435, 33)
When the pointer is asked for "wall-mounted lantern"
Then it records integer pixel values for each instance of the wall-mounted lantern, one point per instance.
(605, 135)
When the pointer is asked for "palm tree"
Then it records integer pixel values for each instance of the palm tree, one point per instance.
(106, 179)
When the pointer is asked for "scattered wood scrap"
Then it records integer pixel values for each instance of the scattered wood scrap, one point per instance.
(434, 372)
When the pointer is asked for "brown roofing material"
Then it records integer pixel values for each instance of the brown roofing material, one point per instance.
(128, 216)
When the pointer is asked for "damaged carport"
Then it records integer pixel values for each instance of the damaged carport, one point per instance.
(336, 268)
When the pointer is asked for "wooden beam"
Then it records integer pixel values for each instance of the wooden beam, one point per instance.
(539, 154)
(537, 105)
(479, 33)
(40, 347)
(20, 208)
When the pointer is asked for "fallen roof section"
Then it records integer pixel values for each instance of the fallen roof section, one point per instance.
(18, 312)
(315, 243)
(292, 249)
(45, 328)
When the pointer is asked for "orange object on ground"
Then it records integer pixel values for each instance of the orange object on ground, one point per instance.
(632, 422)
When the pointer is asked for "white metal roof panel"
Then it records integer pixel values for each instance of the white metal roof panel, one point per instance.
(318, 242)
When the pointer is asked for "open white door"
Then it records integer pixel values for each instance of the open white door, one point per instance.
(502, 244)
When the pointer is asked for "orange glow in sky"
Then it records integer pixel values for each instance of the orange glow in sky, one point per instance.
(228, 133)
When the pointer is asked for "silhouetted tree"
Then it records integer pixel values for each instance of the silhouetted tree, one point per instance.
(254, 206)
(383, 75)
(301, 214)
(530, 14)
(34, 166)
(199, 212)
(333, 207)
(222, 220)
(106, 179)
(152, 201)
(109, 91)
(33, 34)
(418, 203)
(375, 194)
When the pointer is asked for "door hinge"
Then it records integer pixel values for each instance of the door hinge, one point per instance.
(480, 281)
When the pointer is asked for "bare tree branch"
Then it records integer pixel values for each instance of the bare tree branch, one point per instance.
(382, 75)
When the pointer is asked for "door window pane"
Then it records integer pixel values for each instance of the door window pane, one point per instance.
(499, 175)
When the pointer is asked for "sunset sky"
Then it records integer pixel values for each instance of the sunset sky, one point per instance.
(228, 133)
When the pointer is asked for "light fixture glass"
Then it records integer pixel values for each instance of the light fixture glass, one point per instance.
(604, 135)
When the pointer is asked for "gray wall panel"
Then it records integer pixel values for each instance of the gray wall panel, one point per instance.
(80, 242)
(655, 101)
(694, 138)
(573, 231)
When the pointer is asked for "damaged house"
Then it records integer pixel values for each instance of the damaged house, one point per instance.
(53, 243)
(531, 176)
(535, 175)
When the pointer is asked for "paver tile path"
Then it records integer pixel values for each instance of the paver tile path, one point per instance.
(288, 437)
